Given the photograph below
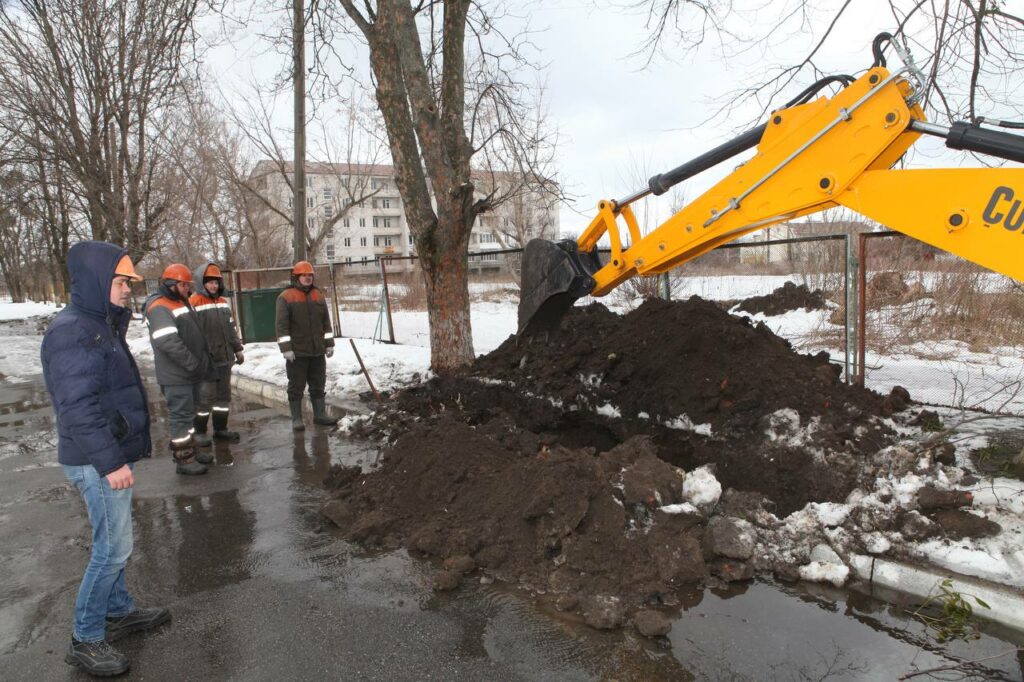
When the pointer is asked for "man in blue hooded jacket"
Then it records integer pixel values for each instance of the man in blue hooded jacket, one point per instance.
(102, 421)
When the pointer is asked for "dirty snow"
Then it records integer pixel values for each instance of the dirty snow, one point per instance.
(954, 375)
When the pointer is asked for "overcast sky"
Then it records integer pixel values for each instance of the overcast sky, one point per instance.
(620, 119)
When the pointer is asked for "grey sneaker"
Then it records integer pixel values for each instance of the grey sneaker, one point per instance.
(96, 658)
(139, 619)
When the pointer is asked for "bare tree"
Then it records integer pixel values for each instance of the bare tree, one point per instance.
(87, 83)
(969, 50)
(445, 82)
(349, 149)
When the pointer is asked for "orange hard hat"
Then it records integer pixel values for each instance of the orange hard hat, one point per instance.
(303, 267)
(126, 269)
(177, 272)
(213, 271)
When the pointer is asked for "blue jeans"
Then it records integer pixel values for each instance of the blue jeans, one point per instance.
(103, 592)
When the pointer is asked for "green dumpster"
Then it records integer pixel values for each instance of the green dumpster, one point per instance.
(257, 312)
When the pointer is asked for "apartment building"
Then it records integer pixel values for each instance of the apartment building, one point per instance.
(358, 210)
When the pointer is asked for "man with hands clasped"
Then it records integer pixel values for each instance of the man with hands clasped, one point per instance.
(306, 338)
(102, 421)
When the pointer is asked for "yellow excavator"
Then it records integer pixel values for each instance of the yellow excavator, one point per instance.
(813, 154)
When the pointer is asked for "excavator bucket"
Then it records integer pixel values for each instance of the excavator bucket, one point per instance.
(554, 276)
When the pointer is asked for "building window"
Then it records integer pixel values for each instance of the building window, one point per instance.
(329, 249)
(410, 239)
(348, 241)
(348, 259)
(385, 203)
(387, 241)
(311, 223)
(362, 222)
(344, 222)
(490, 256)
(328, 211)
(486, 238)
(309, 181)
(309, 202)
(376, 241)
(362, 241)
(379, 183)
(291, 202)
(346, 202)
(328, 193)
(382, 221)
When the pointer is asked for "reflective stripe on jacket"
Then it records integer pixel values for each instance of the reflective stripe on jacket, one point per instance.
(180, 353)
(303, 322)
(218, 326)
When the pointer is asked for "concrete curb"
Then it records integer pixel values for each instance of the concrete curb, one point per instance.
(264, 389)
(1006, 604)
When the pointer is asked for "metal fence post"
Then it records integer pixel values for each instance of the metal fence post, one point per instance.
(862, 315)
(334, 301)
(387, 301)
(847, 289)
(239, 314)
(666, 288)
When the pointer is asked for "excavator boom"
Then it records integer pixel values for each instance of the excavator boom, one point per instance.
(811, 156)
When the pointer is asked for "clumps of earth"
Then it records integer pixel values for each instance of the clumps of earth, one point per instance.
(789, 296)
(616, 459)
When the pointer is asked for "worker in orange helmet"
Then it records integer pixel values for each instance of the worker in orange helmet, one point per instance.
(306, 339)
(183, 361)
(214, 314)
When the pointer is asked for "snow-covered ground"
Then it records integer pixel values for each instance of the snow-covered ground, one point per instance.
(961, 378)
(20, 311)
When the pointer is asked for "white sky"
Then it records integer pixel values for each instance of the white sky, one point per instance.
(620, 121)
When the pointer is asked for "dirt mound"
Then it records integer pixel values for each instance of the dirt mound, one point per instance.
(586, 463)
(788, 297)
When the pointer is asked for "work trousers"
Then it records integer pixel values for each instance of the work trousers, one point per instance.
(303, 370)
(181, 408)
(103, 593)
(217, 393)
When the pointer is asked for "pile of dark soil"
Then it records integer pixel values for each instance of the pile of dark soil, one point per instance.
(553, 461)
(788, 297)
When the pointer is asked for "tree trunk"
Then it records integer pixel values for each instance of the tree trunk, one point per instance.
(451, 336)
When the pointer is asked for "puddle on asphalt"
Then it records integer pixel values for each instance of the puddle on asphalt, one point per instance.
(260, 520)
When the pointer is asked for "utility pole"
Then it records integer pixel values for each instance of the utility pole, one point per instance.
(299, 84)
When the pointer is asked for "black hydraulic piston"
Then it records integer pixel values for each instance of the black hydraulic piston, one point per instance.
(973, 138)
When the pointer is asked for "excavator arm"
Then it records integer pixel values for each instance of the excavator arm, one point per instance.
(810, 157)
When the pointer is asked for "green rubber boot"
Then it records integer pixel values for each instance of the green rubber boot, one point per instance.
(296, 407)
(320, 415)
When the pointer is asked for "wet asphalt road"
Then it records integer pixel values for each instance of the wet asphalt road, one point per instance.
(257, 591)
(260, 591)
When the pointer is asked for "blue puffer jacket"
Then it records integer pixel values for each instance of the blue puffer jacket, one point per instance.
(98, 396)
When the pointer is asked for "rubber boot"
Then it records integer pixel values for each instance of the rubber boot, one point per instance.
(220, 426)
(320, 415)
(184, 455)
(199, 423)
(296, 407)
